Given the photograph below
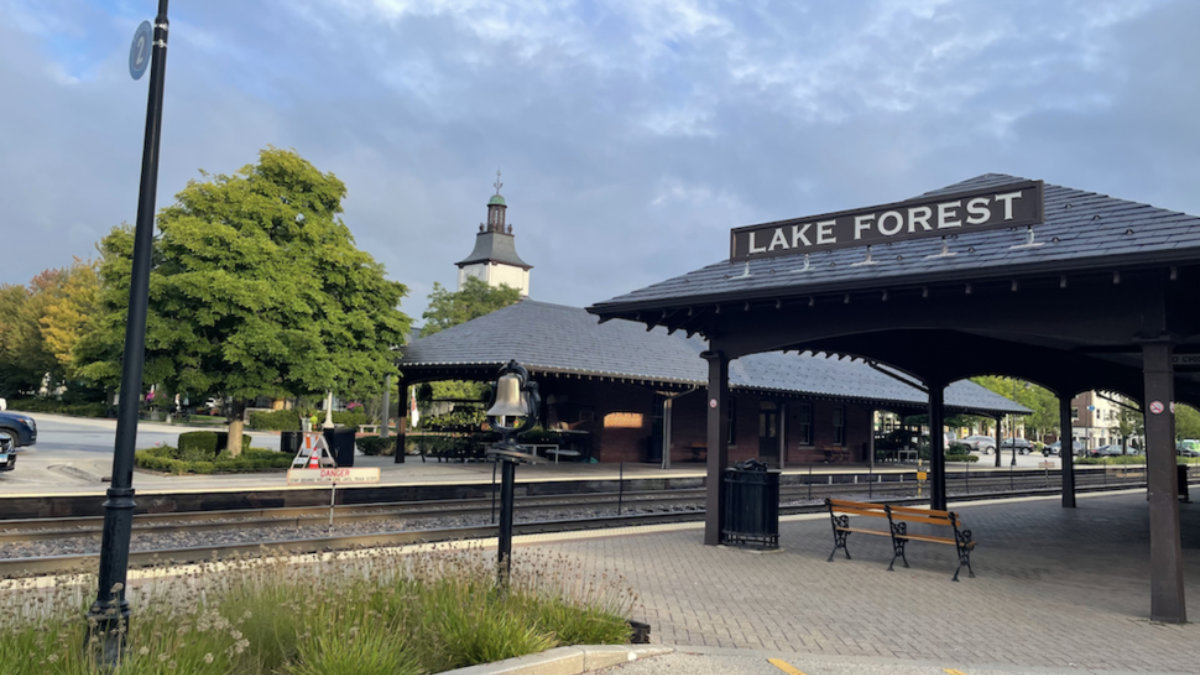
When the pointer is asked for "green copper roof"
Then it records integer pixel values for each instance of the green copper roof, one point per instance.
(497, 199)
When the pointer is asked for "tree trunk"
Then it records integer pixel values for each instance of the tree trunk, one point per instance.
(236, 427)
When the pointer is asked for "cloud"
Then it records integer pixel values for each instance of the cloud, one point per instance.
(632, 135)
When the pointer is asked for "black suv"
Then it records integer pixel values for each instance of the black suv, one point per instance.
(1024, 447)
(20, 429)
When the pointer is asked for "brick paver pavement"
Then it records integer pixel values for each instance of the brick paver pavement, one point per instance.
(1056, 588)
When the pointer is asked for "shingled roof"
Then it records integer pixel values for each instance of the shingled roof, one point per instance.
(1082, 231)
(496, 247)
(553, 338)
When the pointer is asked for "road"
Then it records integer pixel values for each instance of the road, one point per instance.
(76, 452)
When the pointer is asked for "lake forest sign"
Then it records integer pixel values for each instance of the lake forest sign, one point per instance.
(1012, 205)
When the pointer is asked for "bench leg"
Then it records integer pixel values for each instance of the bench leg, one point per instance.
(839, 536)
(963, 544)
(898, 542)
(839, 541)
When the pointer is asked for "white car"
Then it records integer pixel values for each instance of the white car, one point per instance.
(982, 444)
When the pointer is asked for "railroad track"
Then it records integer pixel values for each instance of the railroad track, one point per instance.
(655, 507)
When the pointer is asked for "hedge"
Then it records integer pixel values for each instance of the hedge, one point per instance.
(276, 420)
(204, 445)
(168, 460)
(53, 405)
(289, 420)
(377, 445)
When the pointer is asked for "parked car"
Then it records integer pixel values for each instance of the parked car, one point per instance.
(1113, 450)
(8, 458)
(20, 429)
(981, 444)
(1053, 449)
(1188, 448)
(1023, 446)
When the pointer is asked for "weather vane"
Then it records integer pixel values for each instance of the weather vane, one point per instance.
(498, 184)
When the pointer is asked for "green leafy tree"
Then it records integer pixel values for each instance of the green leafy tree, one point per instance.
(1187, 422)
(25, 360)
(473, 300)
(1130, 423)
(256, 289)
(1044, 419)
(68, 316)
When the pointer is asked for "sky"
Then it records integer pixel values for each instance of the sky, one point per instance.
(632, 135)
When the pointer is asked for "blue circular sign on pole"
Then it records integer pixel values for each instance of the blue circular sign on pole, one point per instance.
(139, 50)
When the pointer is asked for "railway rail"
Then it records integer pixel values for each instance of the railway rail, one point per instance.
(294, 530)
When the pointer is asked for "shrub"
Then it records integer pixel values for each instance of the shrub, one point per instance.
(377, 445)
(381, 612)
(349, 418)
(275, 420)
(171, 460)
(204, 445)
(55, 406)
(289, 420)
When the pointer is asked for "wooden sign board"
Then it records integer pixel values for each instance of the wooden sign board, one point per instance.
(1013, 205)
(339, 476)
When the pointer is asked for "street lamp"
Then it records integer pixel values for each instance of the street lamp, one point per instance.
(517, 399)
(108, 616)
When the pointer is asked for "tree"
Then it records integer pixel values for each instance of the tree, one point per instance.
(473, 300)
(68, 316)
(1044, 404)
(1187, 422)
(25, 360)
(256, 289)
(1129, 423)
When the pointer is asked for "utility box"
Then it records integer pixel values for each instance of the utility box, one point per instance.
(341, 445)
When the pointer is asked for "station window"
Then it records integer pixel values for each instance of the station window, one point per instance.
(804, 423)
(839, 425)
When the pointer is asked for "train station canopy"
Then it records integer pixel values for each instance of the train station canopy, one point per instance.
(993, 275)
(559, 339)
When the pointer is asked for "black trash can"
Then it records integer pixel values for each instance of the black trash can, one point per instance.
(341, 445)
(1182, 476)
(290, 442)
(751, 506)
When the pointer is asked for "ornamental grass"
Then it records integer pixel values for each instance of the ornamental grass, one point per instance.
(380, 611)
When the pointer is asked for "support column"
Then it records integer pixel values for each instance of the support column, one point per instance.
(1166, 556)
(718, 445)
(668, 406)
(937, 445)
(387, 406)
(999, 418)
(1067, 451)
(783, 410)
(401, 420)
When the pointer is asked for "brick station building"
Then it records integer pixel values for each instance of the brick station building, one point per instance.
(623, 393)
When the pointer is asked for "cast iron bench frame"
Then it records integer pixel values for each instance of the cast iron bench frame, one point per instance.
(898, 518)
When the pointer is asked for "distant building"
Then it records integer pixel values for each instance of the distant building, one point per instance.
(1095, 420)
(494, 259)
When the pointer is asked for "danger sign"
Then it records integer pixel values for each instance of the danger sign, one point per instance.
(335, 475)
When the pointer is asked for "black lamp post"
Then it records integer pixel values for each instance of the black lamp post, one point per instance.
(516, 398)
(108, 617)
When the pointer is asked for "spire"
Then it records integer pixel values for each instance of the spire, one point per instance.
(496, 208)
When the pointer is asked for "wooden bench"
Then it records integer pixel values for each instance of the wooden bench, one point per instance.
(898, 518)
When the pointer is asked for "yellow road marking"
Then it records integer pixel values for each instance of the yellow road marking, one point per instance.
(784, 666)
(951, 671)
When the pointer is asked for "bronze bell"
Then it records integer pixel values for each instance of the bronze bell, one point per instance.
(510, 402)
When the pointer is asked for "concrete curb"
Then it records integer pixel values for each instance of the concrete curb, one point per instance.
(564, 660)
